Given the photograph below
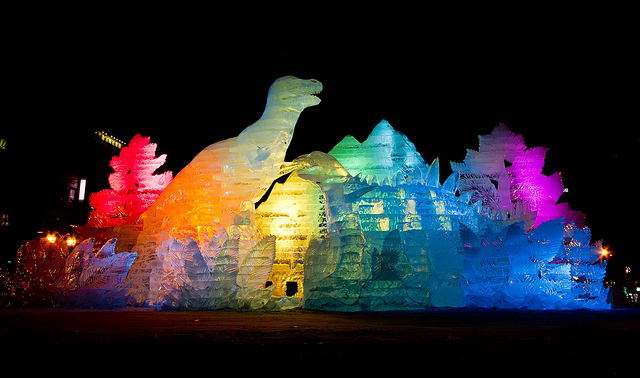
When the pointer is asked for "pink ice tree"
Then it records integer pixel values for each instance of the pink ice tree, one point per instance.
(507, 177)
(134, 186)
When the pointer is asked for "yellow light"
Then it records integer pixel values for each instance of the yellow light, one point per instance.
(71, 241)
(51, 238)
(604, 252)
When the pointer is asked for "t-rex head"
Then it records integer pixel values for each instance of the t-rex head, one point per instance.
(289, 91)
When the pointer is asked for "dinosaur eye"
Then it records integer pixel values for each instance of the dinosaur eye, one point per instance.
(314, 80)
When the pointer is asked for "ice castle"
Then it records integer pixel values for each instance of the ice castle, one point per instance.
(368, 226)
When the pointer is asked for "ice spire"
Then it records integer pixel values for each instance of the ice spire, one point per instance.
(386, 155)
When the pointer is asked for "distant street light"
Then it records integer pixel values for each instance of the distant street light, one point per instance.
(51, 238)
(71, 241)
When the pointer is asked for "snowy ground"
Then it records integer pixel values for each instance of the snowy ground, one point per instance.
(503, 343)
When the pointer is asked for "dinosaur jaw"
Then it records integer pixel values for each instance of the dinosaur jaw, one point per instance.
(309, 98)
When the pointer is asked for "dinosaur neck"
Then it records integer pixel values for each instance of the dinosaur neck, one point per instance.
(276, 118)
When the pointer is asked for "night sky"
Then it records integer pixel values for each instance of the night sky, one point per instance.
(564, 84)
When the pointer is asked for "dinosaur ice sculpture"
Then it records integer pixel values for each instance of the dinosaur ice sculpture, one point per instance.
(205, 197)
(367, 226)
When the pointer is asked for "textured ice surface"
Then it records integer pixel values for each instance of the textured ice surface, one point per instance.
(393, 231)
(507, 177)
(398, 239)
(47, 274)
(551, 267)
(295, 214)
(386, 156)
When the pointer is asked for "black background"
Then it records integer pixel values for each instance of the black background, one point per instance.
(564, 79)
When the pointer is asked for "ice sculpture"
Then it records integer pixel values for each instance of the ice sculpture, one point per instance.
(99, 278)
(385, 156)
(397, 239)
(47, 274)
(295, 214)
(367, 226)
(134, 187)
(551, 267)
(507, 177)
(205, 197)
(393, 230)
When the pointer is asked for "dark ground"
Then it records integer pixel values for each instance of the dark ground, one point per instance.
(496, 342)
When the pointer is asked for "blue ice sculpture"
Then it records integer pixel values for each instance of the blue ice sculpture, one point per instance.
(393, 241)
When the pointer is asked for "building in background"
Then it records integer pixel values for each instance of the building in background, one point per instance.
(46, 181)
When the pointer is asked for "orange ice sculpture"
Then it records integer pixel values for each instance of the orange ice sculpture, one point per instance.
(203, 201)
(134, 187)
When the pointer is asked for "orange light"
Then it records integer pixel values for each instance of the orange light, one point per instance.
(71, 241)
(51, 238)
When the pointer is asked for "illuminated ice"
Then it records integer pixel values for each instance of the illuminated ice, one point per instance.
(530, 253)
(134, 186)
(507, 178)
(203, 201)
(48, 274)
(393, 240)
(368, 226)
(386, 156)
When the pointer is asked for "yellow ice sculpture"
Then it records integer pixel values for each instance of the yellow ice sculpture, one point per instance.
(294, 214)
